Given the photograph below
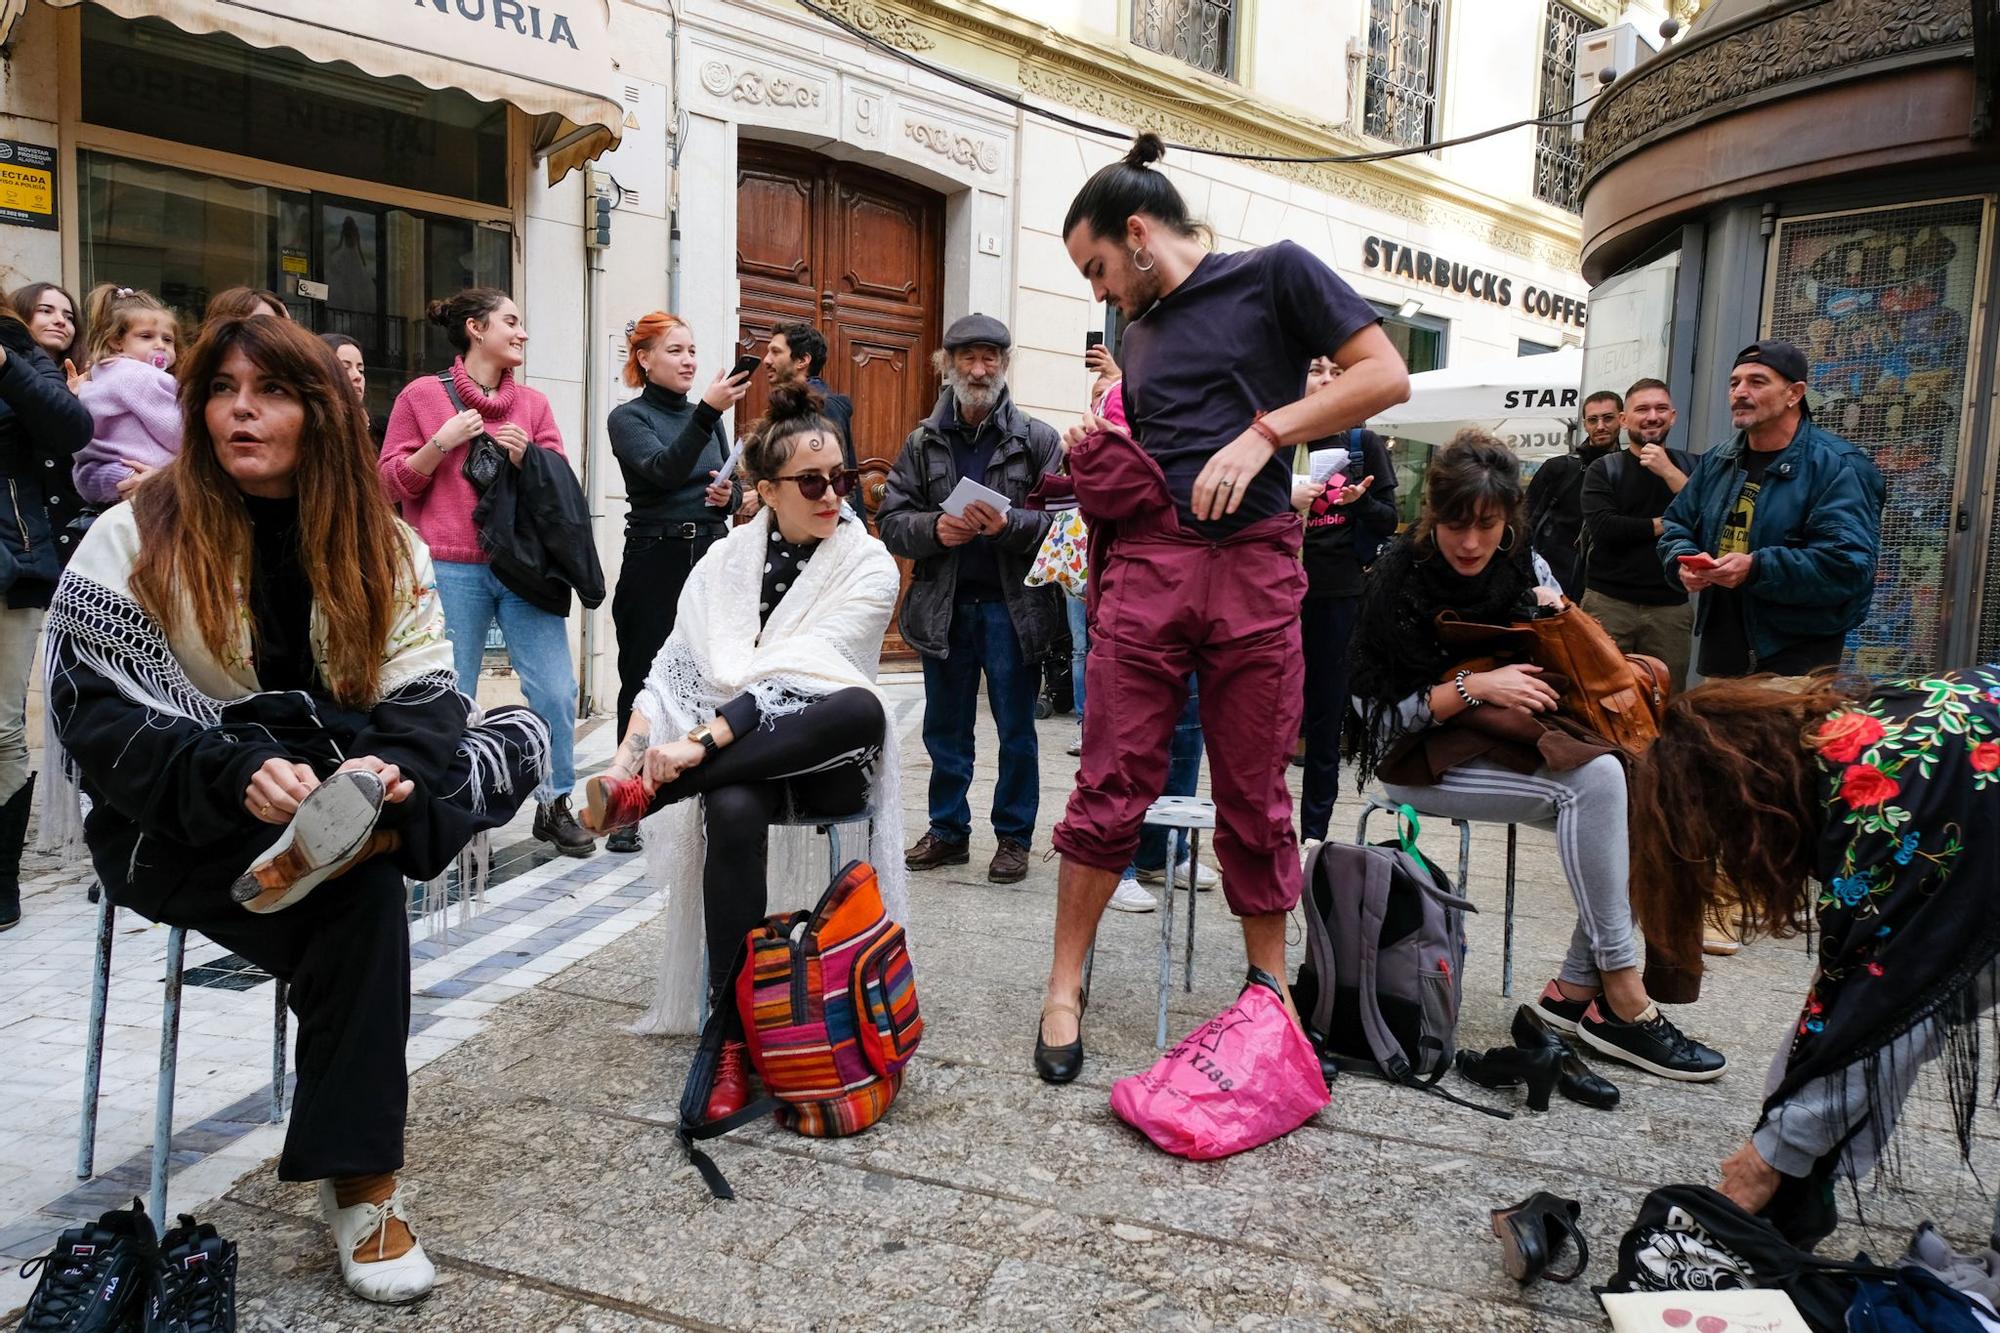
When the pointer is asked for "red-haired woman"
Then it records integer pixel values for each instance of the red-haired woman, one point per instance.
(1870, 814)
(248, 675)
(670, 448)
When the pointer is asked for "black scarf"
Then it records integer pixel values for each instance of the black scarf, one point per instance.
(1908, 914)
(1395, 650)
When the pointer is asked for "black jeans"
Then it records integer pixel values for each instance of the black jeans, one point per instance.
(345, 951)
(643, 608)
(816, 761)
(1325, 625)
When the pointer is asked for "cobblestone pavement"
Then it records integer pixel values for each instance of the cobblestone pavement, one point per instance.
(550, 1190)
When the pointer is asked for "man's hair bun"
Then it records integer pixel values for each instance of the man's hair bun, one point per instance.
(1145, 150)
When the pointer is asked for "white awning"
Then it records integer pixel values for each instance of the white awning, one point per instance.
(551, 58)
(1530, 402)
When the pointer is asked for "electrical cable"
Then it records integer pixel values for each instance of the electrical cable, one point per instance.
(1555, 118)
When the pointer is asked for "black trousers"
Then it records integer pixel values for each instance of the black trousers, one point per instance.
(644, 606)
(345, 952)
(1325, 624)
(815, 761)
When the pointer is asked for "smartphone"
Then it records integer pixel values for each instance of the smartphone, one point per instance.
(744, 365)
(1701, 560)
(1095, 338)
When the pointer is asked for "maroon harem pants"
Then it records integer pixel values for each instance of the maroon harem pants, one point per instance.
(1170, 604)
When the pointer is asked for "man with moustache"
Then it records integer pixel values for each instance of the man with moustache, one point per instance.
(1624, 495)
(969, 610)
(1778, 528)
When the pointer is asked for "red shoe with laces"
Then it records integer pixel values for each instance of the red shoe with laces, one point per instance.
(615, 803)
(731, 1090)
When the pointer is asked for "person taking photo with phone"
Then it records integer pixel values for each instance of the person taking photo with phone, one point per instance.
(671, 450)
(1778, 528)
(969, 611)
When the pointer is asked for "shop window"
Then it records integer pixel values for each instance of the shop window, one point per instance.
(1883, 301)
(1399, 96)
(1558, 153)
(1201, 33)
(210, 91)
(1420, 340)
(1529, 347)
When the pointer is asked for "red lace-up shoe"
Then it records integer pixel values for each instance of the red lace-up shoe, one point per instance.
(731, 1092)
(615, 803)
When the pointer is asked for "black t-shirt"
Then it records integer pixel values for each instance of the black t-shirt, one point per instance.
(280, 598)
(1232, 340)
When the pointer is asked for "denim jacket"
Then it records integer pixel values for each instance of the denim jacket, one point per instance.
(1814, 537)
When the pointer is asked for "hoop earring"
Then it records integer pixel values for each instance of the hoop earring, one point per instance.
(1507, 547)
(1146, 267)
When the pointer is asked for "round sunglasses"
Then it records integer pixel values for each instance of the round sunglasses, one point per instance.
(813, 485)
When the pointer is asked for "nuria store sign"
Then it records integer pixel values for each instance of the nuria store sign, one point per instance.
(1446, 274)
(523, 19)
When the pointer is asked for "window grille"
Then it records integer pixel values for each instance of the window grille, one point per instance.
(1201, 33)
(1399, 98)
(1558, 153)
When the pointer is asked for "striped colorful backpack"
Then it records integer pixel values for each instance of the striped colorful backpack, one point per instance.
(827, 1001)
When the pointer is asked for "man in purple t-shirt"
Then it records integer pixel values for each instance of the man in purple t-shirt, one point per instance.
(1195, 549)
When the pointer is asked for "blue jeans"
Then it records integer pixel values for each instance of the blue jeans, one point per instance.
(537, 646)
(1183, 761)
(982, 639)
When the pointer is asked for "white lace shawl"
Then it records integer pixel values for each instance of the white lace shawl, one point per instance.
(824, 635)
(95, 620)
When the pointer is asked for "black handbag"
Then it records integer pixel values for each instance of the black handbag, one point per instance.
(483, 457)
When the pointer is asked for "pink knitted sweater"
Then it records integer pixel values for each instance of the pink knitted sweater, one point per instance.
(136, 422)
(439, 506)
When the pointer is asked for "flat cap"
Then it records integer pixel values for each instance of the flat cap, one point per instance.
(967, 330)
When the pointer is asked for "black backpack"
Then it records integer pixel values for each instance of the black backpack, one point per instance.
(1379, 989)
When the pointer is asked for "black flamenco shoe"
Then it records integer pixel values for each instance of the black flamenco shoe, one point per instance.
(1532, 1233)
(1059, 1064)
(1575, 1079)
(1510, 1066)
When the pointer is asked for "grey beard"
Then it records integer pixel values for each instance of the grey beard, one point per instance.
(971, 395)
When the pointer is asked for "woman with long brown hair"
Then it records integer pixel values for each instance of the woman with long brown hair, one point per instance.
(1870, 815)
(248, 676)
(1461, 738)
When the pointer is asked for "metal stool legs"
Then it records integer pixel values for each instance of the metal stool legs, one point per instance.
(1507, 948)
(1167, 931)
(93, 1041)
(170, 1031)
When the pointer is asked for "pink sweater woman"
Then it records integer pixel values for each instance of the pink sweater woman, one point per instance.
(422, 470)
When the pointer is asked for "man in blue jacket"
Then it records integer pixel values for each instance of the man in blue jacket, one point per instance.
(1778, 528)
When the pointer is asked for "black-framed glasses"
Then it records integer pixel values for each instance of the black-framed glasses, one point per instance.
(812, 485)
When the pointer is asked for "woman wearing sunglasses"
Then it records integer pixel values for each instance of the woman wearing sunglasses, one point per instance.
(762, 703)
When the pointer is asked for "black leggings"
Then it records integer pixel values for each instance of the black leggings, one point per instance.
(816, 761)
(650, 580)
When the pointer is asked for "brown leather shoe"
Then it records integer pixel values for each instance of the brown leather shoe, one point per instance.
(932, 851)
(1010, 863)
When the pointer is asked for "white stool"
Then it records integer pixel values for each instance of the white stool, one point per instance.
(1464, 827)
(1190, 815)
(170, 1031)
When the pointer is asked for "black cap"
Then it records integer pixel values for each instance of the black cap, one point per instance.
(1783, 357)
(968, 330)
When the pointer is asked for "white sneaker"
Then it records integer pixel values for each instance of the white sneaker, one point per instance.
(1076, 746)
(1306, 849)
(1131, 898)
(1205, 879)
(389, 1281)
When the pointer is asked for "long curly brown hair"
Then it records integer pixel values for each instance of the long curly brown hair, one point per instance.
(1726, 811)
(194, 531)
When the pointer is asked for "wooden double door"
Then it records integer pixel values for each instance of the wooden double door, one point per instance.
(859, 255)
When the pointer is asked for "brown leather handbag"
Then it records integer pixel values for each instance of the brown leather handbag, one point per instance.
(1621, 696)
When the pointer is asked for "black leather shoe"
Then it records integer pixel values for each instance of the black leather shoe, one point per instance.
(1532, 1234)
(1575, 1079)
(1059, 1064)
(1510, 1066)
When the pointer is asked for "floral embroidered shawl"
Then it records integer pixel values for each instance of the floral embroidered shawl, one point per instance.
(1909, 903)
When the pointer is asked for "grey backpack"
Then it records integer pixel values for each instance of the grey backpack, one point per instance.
(1379, 988)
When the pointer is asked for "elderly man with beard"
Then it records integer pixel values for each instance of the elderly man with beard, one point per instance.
(969, 609)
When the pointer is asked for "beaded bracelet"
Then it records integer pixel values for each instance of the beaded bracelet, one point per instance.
(1458, 683)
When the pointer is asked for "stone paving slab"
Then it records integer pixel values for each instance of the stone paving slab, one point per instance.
(550, 1188)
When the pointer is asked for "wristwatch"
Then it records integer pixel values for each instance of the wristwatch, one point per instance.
(704, 735)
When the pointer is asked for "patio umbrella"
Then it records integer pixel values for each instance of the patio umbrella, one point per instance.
(1531, 402)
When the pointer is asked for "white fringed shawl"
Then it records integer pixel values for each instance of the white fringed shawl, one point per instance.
(824, 635)
(96, 621)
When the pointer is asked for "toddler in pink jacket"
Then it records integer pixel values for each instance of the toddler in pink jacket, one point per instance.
(129, 393)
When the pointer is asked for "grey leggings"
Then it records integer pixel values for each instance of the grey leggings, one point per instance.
(1586, 808)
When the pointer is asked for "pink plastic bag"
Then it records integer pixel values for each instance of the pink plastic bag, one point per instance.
(1241, 1079)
